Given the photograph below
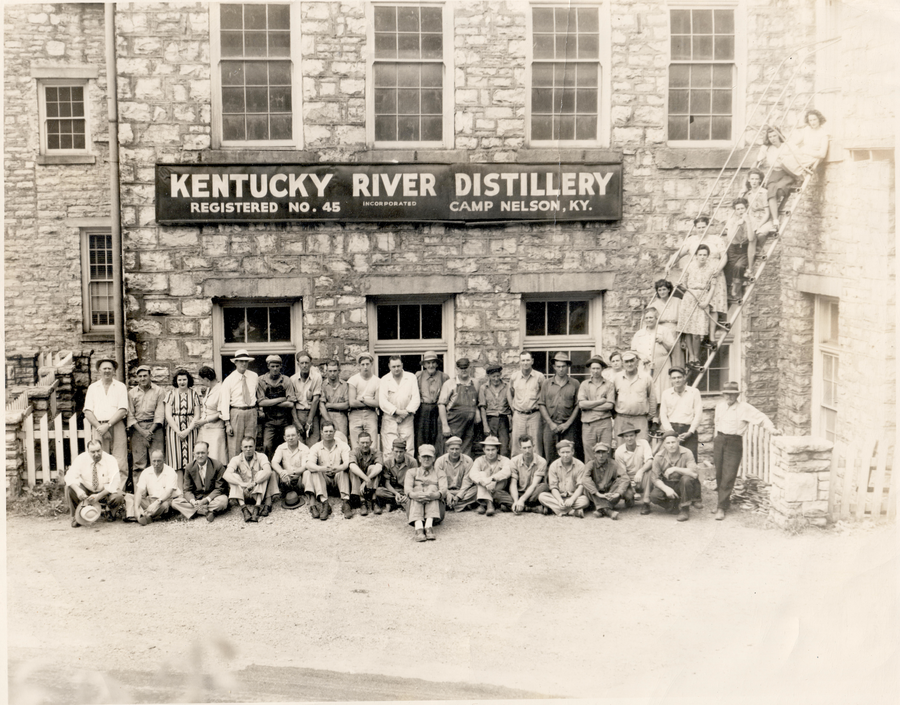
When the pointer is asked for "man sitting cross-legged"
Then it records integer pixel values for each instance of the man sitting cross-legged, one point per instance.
(365, 467)
(94, 478)
(328, 463)
(456, 466)
(605, 482)
(251, 481)
(566, 495)
(205, 489)
(426, 488)
(528, 478)
(156, 488)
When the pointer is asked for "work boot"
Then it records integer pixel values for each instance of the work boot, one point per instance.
(720, 514)
(599, 512)
(482, 509)
(248, 517)
(376, 507)
(324, 510)
(645, 509)
(613, 515)
(267, 508)
(210, 516)
(429, 534)
(364, 508)
(490, 511)
(313, 508)
(346, 509)
(684, 514)
(578, 513)
(254, 513)
(420, 535)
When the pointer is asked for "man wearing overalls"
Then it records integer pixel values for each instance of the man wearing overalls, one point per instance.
(458, 406)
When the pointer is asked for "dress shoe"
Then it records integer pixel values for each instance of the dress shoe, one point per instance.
(314, 509)
(364, 509)
(490, 511)
(248, 517)
(578, 513)
(210, 516)
(324, 510)
(683, 515)
(420, 535)
(266, 510)
(254, 513)
(346, 509)
(720, 514)
(429, 534)
(376, 507)
(645, 509)
(613, 515)
(482, 509)
(599, 513)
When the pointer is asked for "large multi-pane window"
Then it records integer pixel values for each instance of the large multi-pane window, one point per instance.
(568, 325)
(702, 74)
(826, 368)
(565, 73)
(262, 327)
(64, 123)
(409, 327)
(408, 73)
(255, 74)
(97, 280)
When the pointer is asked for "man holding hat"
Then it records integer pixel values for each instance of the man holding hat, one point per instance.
(289, 463)
(455, 466)
(731, 419)
(431, 380)
(635, 397)
(490, 474)
(106, 407)
(458, 406)
(363, 392)
(566, 473)
(398, 399)
(145, 419)
(493, 401)
(636, 457)
(426, 489)
(525, 386)
(308, 387)
(392, 485)
(205, 489)
(605, 482)
(276, 397)
(681, 410)
(528, 478)
(675, 478)
(237, 404)
(94, 479)
(596, 399)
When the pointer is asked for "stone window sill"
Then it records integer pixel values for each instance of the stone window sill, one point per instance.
(99, 337)
(699, 158)
(48, 159)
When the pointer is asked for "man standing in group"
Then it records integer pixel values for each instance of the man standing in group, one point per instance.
(428, 421)
(250, 479)
(335, 399)
(328, 462)
(596, 398)
(455, 466)
(105, 409)
(398, 398)
(681, 410)
(559, 407)
(276, 397)
(145, 419)
(652, 344)
(490, 474)
(528, 478)
(289, 463)
(363, 390)
(566, 473)
(524, 395)
(308, 386)
(458, 406)
(94, 478)
(731, 419)
(365, 467)
(155, 490)
(493, 401)
(237, 404)
(635, 398)
(205, 489)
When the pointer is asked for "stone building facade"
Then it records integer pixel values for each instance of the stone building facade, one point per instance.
(194, 292)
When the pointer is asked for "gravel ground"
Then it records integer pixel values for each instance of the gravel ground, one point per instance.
(525, 606)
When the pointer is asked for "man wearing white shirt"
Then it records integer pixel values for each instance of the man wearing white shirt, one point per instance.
(681, 410)
(106, 407)
(289, 462)
(155, 490)
(94, 478)
(250, 479)
(732, 417)
(237, 404)
(398, 398)
(327, 464)
(308, 387)
(362, 391)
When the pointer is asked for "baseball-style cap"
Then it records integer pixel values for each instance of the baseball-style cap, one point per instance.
(399, 444)
(676, 369)
(463, 363)
(426, 449)
(274, 358)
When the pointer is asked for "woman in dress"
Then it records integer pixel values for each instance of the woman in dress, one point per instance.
(667, 305)
(807, 145)
(212, 428)
(758, 211)
(182, 414)
(693, 321)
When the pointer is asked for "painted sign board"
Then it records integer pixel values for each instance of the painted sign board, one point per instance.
(411, 193)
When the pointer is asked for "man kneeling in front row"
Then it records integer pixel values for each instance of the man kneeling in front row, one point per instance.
(155, 490)
(675, 478)
(205, 489)
(94, 479)
(251, 481)
(605, 482)
(566, 495)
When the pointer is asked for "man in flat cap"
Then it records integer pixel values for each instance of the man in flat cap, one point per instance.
(455, 465)
(525, 386)
(675, 478)
(458, 406)
(528, 478)
(566, 480)
(605, 482)
(276, 397)
(635, 456)
(335, 399)
(428, 421)
(106, 406)
(490, 474)
(558, 405)
(390, 492)
(308, 387)
(146, 417)
(635, 397)
(398, 399)
(237, 403)
(493, 401)
(426, 489)
(596, 398)
(363, 393)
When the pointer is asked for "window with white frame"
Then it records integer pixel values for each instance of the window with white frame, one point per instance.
(565, 98)
(410, 75)
(826, 368)
(255, 54)
(260, 326)
(64, 125)
(409, 326)
(726, 364)
(702, 74)
(555, 324)
(98, 302)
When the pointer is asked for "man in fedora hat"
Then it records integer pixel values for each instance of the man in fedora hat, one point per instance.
(205, 490)
(558, 405)
(106, 407)
(635, 397)
(455, 465)
(308, 388)
(252, 484)
(94, 478)
(428, 421)
(636, 457)
(390, 491)
(458, 406)
(675, 478)
(493, 401)
(155, 490)
(566, 481)
(275, 396)
(731, 419)
(490, 474)
(528, 478)
(363, 393)
(289, 463)
(426, 488)
(596, 399)
(605, 482)
(237, 403)
(398, 399)
(681, 410)
(525, 386)
(145, 420)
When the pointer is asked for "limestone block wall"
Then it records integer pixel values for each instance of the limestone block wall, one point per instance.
(800, 469)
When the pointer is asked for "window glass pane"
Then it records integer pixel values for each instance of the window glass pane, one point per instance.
(534, 318)
(681, 47)
(279, 44)
(386, 46)
(678, 128)
(280, 127)
(431, 20)
(387, 322)
(588, 20)
(385, 101)
(234, 325)
(724, 21)
(541, 127)
(557, 315)
(255, 44)
(565, 128)
(543, 46)
(432, 321)
(540, 361)
(542, 19)
(701, 102)
(702, 47)
(678, 103)
(257, 329)
(585, 128)
(279, 17)
(723, 77)
(541, 102)
(432, 46)
(408, 46)
(834, 332)
(408, 102)
(233, 127)
(385, 19)
(701, 21)
(680, 21)
(699, 129)
(578, 318)
(432, 128)
(720, 128)
(679, 76)
(410, 328)
(280, 324)
(232, 43)
(587, 75)
(431, 75)
(386, 129)
(724, 49)
(701, 76)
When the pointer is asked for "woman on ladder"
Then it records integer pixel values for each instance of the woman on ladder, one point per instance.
(695, 319)
(758, 212)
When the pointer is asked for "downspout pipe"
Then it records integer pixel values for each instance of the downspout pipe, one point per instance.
(115, 205)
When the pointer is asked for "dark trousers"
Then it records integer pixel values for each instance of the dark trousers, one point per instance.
(687, 488)
(428, 428)
(727, 453)
(110, 505)
(273, 436)
(462, 423)
(499, 426)
(691, 442)
(551, 438)
(735, 267)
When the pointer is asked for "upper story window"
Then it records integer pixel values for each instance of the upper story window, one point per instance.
(97, 280)
(64, 117)
(256, 100)
(410, 76)
(702, 75)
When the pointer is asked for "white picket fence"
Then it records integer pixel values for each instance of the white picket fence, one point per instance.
(862, 481)
(757, 459)
(57, 435)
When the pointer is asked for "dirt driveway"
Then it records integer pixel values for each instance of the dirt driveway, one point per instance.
(497, 607)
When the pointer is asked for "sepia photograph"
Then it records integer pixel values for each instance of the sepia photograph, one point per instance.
(462, 350)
